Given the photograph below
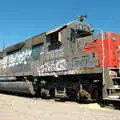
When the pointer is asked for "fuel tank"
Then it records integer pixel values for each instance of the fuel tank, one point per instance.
(10, 85)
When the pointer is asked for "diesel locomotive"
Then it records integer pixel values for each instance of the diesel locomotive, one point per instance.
(69, 62)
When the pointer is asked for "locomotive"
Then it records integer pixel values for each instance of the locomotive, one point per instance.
(69, 62)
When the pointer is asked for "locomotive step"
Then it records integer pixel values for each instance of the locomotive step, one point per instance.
(113, 97)
(116, 78)
(115, 87)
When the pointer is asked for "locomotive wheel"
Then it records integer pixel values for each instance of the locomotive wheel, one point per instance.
(71, 94)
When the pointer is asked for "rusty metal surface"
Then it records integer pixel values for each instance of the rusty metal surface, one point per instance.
(38, 39)
(33, 56)
(19, 60)
(14, 47)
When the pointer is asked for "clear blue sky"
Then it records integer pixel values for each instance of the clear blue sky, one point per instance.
(22, 19)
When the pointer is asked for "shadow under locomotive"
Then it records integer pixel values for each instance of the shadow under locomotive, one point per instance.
(68, 87)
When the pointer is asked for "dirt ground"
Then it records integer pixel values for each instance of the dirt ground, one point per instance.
(23, 108)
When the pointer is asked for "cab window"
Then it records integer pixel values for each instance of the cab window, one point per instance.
(53, 41)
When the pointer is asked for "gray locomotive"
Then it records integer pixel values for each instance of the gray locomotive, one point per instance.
(61, 63)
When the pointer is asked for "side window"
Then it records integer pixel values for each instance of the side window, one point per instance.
(36, 51)
(54, 42)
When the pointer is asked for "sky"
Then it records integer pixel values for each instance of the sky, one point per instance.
(22, 19)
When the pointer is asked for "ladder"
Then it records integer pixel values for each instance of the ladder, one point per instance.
(114, 91)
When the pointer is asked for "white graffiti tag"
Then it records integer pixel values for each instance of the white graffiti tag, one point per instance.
(21, 57)
(51, 66)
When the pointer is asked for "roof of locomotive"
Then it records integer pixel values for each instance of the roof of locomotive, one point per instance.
(35, 40)
(66, 25)
(38, 39)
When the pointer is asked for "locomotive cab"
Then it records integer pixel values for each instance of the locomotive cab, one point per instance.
(65, 63)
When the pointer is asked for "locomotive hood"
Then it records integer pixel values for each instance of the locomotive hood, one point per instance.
(74, 25)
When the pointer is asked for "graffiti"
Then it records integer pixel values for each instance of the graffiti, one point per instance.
(50, 66)
(21, 57)
(84, 27)
(52, 54)
(84, 61)
(75, 31)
